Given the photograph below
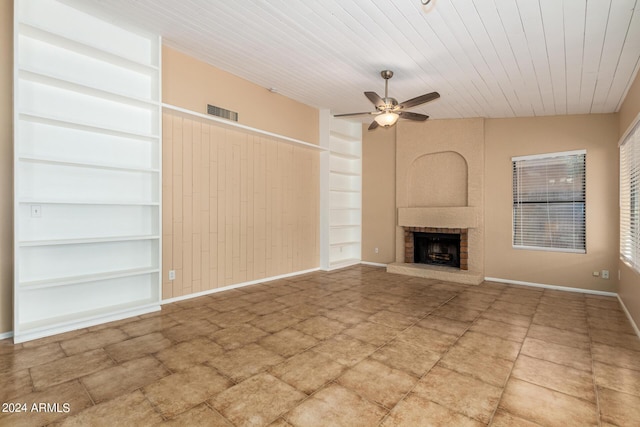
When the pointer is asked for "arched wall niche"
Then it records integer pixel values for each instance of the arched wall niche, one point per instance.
(438, 180)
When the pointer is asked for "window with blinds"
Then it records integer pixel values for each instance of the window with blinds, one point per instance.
(630, 198)
(549, 202)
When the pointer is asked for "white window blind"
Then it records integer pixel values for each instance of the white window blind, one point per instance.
(549, 202)
(630, 198)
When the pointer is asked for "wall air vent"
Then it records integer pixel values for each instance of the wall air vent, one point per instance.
(221, 112)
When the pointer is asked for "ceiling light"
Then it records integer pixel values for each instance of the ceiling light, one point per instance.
(387, 119)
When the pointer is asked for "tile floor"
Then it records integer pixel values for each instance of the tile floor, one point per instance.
(354, 347)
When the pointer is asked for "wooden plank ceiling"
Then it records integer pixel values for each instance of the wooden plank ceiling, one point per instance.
(487, 58)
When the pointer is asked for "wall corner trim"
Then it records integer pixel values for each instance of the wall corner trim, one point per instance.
(633, 323)
(373, 264)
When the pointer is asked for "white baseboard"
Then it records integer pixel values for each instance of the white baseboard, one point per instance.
(6, 335)
(633, 323)
(373, 264)
(554, 287)
(237, 285)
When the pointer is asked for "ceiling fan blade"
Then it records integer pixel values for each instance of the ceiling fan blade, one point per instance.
(375, 99)
(413, 116)
(373, 125)
(355, 114)
(420, 100)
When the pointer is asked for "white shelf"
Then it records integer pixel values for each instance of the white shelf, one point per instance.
(346, 173)
(337, 244)
(343, 226)
(63, 83)
(50, 160)
(47, 36)
(85, 241)
(346, 137)
(87, 147)
(65, 281)
(57, 121)
(345, 190)
(345, 155)
(88, 315)
(344, 209)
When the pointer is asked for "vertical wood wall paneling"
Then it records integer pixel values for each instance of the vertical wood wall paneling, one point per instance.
(236, 207)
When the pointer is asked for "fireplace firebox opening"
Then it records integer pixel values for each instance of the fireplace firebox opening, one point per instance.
(437, 246)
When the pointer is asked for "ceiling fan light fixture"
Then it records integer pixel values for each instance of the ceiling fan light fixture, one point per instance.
(387, 119)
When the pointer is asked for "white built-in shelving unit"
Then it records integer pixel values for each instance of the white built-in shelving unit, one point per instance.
(87, 170)
(342, 193)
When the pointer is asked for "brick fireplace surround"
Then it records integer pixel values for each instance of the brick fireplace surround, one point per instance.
(464, 242)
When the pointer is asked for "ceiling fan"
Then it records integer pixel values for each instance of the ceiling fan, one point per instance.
(388, 110)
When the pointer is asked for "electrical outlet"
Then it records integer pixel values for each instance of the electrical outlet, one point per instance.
(36, 211)
(172, 275)
(376, 250)
(596, 274)
(605, 274)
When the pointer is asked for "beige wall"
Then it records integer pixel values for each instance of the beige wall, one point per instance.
(236, 206)
(6, 166)
(378, 194)
(192, 84)
(505, 138)
(629, 286)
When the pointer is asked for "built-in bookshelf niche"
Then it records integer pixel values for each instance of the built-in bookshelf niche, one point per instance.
(87, 170)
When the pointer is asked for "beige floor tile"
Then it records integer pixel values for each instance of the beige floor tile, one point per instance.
(620, 325)
(499, 329)
(93, 340)
(393, 319)
(344, 349)
(138, 347)
(288, 342)
(620, 409)
(411, 357)
(53, 338)
(178, 392)
(373, 333)
(468, 302)
(485, 367)
(71, 393)
(556, 377)
(456, 312)
(237, 336)
(124, 378)
(201, 415)
(335, 405)
(557, 353)
(308, 371)
(189, 353)
(558, 336)
(547, 407)
(24, 358)
(280, 422)
(257, 401)
(432, 340)
(304, 311)
(13, 384)
(148, 326)
(190, 329)
(274, 322)
(228, 304)
(347, 315)
(628, 341)
(514, 308)
(460, 393)
(617, 378)
(506, 317)
(130, 409)
(377, 382)
(232, 318)
(490, 345)
(576, 324)
(505, 419)
(69, 368)
(246, 361)
(617, 356)
(442, 324)
(320, 327)
(416, 411)
(265, 307)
